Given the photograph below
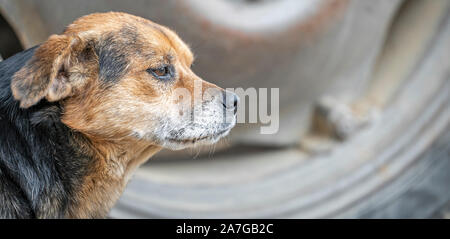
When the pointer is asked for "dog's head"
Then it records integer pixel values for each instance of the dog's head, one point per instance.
(121, 76)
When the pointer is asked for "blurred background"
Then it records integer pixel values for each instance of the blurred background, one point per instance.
(364, 106)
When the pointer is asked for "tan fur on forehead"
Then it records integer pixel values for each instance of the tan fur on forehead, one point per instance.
(114, 21)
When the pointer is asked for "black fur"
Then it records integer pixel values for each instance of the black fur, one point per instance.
(112, 62)
(114, 51)
(41, 165)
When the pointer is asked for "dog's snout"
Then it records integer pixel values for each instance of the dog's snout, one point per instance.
(230, 101)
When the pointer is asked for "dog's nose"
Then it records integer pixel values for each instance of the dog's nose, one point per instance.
(230, 101)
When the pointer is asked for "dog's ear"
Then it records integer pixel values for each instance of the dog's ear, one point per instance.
(46, 74)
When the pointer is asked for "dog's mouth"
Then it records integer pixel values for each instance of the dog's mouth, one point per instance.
(211, 138)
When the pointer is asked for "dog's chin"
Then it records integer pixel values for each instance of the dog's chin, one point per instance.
(187, 142)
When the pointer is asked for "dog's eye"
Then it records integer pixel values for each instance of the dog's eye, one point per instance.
(162, 73)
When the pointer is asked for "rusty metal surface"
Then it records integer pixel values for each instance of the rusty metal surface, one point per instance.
(290, 183)
(343, 180)
(426, 198)
(381, 90)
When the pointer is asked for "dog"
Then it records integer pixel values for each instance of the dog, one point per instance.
(83, 110)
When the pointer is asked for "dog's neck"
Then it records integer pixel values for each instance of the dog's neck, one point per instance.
(104, 165)
(112, 166)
